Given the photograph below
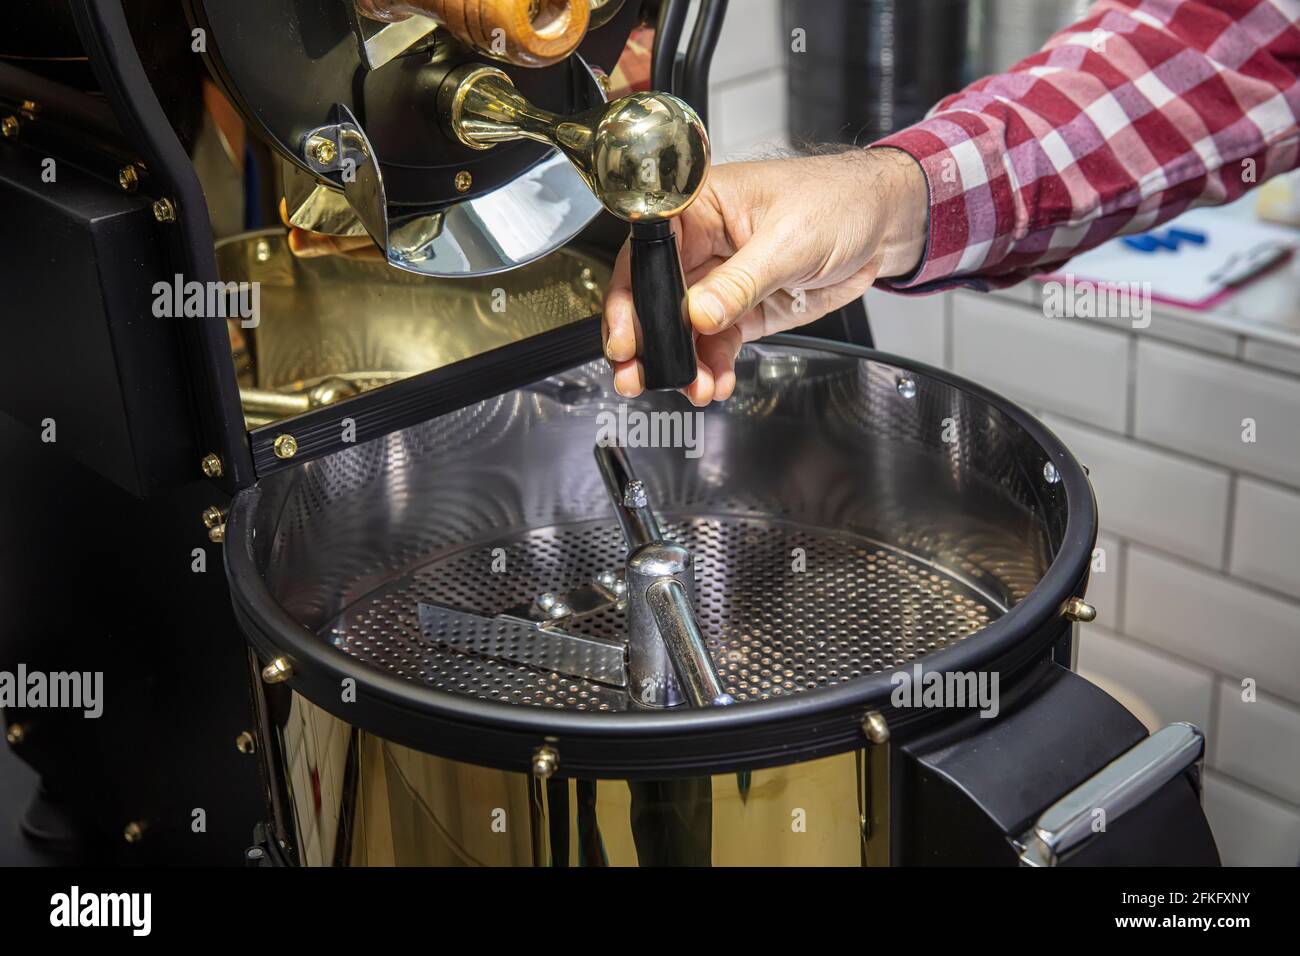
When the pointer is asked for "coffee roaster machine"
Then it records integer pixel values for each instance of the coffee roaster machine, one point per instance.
(370, 581)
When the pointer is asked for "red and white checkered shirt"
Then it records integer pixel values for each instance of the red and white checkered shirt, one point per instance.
(1144, 109)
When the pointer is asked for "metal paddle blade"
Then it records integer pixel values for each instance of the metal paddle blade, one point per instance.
(521, 642)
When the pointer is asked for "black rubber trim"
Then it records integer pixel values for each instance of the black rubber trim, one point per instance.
(681, 743)
(106, 38)
(699, 56)
(668, 35)
(428, 395)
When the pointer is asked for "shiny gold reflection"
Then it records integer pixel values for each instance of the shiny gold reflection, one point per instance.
(329, 327)
(382, 804)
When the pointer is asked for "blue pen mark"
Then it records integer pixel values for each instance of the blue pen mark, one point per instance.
(1188, 235)
(1149, 242)
(1143, 243)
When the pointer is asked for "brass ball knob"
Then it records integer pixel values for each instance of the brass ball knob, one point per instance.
(650, 157)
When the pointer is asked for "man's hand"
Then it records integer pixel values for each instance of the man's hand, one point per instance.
(772, 245)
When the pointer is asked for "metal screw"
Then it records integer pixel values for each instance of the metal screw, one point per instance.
(1050, 474)
(254, 853)
(262, 250)
(9, 127)
(29, 109)
(606, 580)
(128, 178)
(213, 516)
(133, 832)
(246, 743)
(874, 726)
(547, 601)
(1077, 609)
(286, 446)
(218, 534)
(322, 150)
(906, 386)
(546, 760)
(559, 609)
(211, 464)
(634, 495)
(164, 210)
(464, 180)
(278, 671)
(15, 735)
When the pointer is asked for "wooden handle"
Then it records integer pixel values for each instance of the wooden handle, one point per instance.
(522, 32)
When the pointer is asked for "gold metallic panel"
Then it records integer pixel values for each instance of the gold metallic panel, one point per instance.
(363, 801)
(331, 326)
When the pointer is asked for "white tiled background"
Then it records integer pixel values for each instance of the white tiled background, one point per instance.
(1201, 531)
(747, 83)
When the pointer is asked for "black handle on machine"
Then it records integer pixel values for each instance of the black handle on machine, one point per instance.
(659, 294)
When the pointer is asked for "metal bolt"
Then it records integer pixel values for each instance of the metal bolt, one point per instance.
(278, 671)
(464, 180)
(322, 150)
(218, 534)
(9, 127)
(164, 210)
(620, 586)
(559, 609)
(1050, 474)
(133, 832)
(606, 580)
(246, 743)
(547, 601)
(211, 465)
(128, 178)
(1077, 609)
(286, 446)
(15, 735)
(254, 853)
(29, 109)
(874, 726)
(262, 250)
(906, 386)
(546, 760)
(213, 516)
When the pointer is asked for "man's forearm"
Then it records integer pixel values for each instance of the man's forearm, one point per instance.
(1135, 114)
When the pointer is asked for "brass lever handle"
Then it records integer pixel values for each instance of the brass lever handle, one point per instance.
(645, 156)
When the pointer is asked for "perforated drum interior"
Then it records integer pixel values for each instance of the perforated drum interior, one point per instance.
(847, 517)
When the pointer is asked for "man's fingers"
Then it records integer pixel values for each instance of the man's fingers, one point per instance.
(718, 353)
(620, 325)
(738, 285)
(629, 378)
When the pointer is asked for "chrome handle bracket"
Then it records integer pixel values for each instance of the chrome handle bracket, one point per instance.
(1119, 787)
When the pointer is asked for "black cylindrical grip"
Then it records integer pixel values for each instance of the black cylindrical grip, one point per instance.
(659, 294)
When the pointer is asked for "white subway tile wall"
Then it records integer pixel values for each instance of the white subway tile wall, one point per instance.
(1078, 370)
(747, 84)
(1221, 410)
(1266, 537)
(1201, 529)
(1200, 525)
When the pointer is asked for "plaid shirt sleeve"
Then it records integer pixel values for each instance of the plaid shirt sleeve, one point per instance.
(1142, 110)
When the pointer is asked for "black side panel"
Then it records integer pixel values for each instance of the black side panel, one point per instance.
(82, 348)
(93, 579)
(969, 790)
(209, 372)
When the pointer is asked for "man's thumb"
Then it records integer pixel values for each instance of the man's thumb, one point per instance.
(737, 286)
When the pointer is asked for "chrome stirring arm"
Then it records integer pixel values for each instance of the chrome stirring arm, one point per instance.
(667, 656)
